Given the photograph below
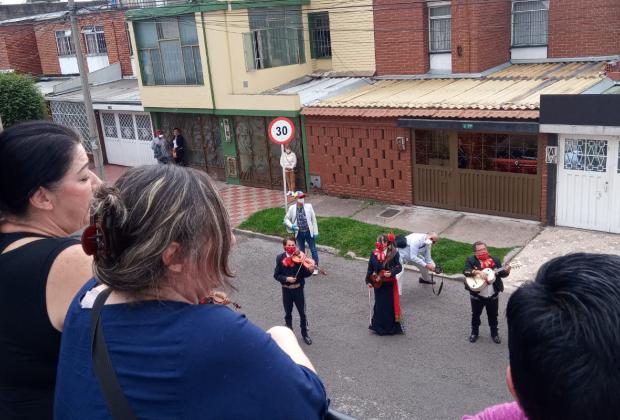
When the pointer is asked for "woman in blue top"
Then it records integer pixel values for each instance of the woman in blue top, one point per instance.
(162, 245)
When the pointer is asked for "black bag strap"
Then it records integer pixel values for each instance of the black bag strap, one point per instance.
(112, 393)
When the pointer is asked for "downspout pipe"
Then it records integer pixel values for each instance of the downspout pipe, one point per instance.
(204, 35)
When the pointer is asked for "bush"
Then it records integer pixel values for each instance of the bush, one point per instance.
(20, 99)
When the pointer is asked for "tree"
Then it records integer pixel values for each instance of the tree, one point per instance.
(20, 99)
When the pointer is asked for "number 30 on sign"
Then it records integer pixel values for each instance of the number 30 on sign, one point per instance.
(281, 130)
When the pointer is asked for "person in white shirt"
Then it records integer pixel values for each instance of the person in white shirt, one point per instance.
(415, 249)
(288, 161)
(301, 220)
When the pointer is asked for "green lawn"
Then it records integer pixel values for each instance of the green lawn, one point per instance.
(346, 235)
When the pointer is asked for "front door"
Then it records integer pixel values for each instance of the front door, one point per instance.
(589, 183)
(433, 169)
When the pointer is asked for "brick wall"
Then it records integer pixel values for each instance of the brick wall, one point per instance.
(401, 37)
(360, 158)
(482, 31)
(115, 36)
(19, 49)
(582, 29)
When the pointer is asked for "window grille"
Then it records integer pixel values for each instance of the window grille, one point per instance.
(168, 51)
(64, 43)
(143, 124)
(585, 155)
(109, 125)
(498, 152)
(127, 127)
(529, 23)
(320, 38)
(440, 28)
(276, 38)
(94, 38)
(72, 115)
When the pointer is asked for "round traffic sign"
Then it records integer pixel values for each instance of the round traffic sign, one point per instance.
(281, 130)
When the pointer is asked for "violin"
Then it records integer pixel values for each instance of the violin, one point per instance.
(377, 278)
(300, 258)
(219, 298)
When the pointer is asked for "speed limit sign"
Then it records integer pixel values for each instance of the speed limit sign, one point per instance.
(281, 130)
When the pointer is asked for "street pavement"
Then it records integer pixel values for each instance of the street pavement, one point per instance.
(431, 372)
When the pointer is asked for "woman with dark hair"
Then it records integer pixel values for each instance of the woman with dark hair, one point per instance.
(44, 197)
(383, 266)
(161, 241)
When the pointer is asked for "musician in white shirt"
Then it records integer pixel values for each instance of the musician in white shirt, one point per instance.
(415, 249)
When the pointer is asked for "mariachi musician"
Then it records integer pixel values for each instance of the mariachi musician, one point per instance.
(292, 268)
(383, 266)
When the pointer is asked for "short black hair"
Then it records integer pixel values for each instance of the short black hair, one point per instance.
(288, 238)
(32, 154)
(400, 241)
(564, 339)
(476, 244)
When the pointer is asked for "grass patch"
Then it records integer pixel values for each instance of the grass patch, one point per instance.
(346, 235)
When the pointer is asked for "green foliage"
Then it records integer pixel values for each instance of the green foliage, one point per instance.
(20, 100)
(346, 235)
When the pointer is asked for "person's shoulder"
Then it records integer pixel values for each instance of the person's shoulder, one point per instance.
(505, 411)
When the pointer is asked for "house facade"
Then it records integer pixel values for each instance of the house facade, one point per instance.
(217, 71)
(451, 119)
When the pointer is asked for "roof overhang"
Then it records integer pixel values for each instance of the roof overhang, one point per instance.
(469, 125)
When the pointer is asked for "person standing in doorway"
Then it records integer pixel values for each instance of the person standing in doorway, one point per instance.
(178, 148)
(301, 220)
(159, 145)
(288, 161)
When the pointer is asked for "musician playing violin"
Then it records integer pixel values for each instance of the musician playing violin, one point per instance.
(292, 268)
(488, 297)
(383, 266)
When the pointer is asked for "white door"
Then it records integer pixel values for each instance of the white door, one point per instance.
(127, 137)
(586, 196)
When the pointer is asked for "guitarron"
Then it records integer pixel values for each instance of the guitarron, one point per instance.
(477, 283)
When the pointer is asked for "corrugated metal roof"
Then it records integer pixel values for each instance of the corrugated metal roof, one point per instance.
(517, 87)
(123, 91)
(426, 113)
(316, 90)
(47, 86)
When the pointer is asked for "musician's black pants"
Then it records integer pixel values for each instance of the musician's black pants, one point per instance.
(478, 303)
(296, 296)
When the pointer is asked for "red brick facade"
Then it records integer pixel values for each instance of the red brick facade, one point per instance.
(480, 35)
(360, 158)
(116, 39)
(18, 49)
(401, 37)
(583, 29)
(544, 176)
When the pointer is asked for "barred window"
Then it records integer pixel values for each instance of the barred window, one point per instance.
(275, 38)
(168, 51)
(498, 152)
(585, 155)
(64, 43)
(94, 38)
(440, 28)
(320, 38)
(529, 23)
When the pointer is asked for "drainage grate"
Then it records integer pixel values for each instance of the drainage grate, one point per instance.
(388, 213)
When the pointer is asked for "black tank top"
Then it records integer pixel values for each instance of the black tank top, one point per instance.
(29, 344)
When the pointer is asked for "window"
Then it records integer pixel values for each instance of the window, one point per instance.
(440, 27)
(275, 39)
(109, 125)
(585, 155)
(529, 23)
(94, 38)
(498, 152)
(64, 43)
(320, 39)
(432, 147)
(168, 51)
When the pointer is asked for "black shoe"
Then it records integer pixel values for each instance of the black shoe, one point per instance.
(307, 340)
(473, 337)
(496, 339)
(422, 281)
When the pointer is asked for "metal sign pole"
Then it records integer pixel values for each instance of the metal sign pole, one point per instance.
(284, 181)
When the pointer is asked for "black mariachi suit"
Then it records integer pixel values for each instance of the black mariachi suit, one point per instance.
(180, 151)
(292, 295)
(478, 303)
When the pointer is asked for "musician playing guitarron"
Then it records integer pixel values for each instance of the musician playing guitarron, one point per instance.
(487, 269)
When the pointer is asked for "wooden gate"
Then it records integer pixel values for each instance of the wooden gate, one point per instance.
(474, 172)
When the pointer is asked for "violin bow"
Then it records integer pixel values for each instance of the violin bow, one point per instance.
(300, 265)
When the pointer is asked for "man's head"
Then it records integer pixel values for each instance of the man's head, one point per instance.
(480, 250)
(432, 237)
(176, 131)
(564, 339)
(301, 198)
(289, 245)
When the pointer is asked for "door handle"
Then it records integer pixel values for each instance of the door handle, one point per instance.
(606, 185)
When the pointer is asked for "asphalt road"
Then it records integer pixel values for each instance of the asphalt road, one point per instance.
(431, 372)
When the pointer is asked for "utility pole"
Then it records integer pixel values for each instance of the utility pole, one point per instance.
(93, 137)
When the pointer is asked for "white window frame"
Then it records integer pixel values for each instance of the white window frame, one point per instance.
(512, 24)
(433, 5)
(66, 41)
(94, 31)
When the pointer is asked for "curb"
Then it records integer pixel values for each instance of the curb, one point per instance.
(334, 251)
